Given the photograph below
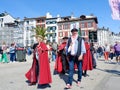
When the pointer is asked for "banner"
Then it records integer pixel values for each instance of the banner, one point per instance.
(115, 7)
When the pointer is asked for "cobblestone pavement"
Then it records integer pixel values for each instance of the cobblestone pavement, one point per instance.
(12, 76)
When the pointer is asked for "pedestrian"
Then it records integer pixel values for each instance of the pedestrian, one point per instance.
(29, 51)
(93, 52)
(117, 51)
(40, 70)
(100, 51)
(54, 50)
(12, 52)
(111, 55)
(61, 64)
(87, 60)
(4, 58)
(106, 52)
(75, 51)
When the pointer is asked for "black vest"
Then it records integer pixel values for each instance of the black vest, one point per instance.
(79, 45)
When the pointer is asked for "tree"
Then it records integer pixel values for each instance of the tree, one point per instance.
(40, 31)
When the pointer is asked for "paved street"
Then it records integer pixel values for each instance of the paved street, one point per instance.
(104, 77)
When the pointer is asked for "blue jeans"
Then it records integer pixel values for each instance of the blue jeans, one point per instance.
(12, 57)
(53, 55)
(72, 62)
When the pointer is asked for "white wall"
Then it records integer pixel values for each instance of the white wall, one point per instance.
(7, 19)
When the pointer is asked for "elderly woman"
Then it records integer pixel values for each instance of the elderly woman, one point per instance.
(40, 70)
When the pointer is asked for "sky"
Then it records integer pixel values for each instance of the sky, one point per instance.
(35, 8)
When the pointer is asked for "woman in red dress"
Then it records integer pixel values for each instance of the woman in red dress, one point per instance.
(40, 70)
(87, 60)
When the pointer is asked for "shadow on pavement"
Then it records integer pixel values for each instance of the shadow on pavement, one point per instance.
(65, 78)
(116, 72)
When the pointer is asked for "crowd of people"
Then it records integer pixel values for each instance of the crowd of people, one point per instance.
(9, 54)
(74, 53)
(5, 51)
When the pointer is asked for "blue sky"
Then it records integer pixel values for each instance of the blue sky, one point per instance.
(35, 8)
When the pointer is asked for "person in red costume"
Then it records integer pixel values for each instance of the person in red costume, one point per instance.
(87, 60)
(40, 70)
(61, 60)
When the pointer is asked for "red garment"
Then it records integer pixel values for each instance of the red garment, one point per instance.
(44, 76)
(87, 58)
(58, 63)
(106, 55)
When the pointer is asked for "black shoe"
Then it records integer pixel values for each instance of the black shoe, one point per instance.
(63, 72)
(94, 66)
(30, 84)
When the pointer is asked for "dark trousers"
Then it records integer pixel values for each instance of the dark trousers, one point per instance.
(111, 55)
(93, 60)
(64, 62)
(72, 61)
(12, 57)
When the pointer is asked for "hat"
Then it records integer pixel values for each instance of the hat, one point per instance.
(65, 38)
(74, 29)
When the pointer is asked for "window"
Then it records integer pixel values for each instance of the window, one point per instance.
(60, 27)
(53, 28)
(47, 22)
(82, 25)
(27, 28)
(66, 33)
(43, 20)
(32, 27)
(60, 34)
(1, 25)
(89, 24)
(66, 26)
(82, 33)
(54, 35)
(27, 22)
(1, 19)
(54, 22)
(53, 40)
(48, 35)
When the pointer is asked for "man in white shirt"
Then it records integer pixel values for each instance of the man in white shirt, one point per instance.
(75, 51)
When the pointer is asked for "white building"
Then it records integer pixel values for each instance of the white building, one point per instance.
(6, 35)
(10, 29)
(6, 18)
(106, 36)
(103, 36)
(114, 37)
(29, 25)
(51, 25)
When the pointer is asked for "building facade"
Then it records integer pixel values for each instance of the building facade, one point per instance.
(103, 36)
(5, 18)
(29, 25)
(11, 30)
(84, 24)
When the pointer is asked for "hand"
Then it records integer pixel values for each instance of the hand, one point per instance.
(80, 57)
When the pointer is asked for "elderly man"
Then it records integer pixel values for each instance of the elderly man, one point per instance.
(75, 51)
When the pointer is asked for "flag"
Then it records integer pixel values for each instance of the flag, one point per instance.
(115, 7)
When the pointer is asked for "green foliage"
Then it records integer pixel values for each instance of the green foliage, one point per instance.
(40, 31)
